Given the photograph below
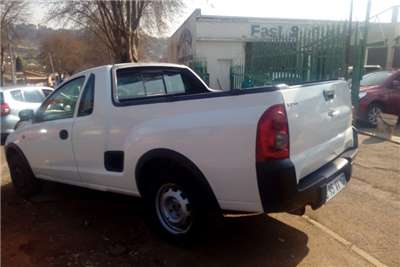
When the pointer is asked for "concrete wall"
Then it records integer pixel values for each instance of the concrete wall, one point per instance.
(179, 48)
(250, 29)
(389, 35)
(220, 41)
(220, 56)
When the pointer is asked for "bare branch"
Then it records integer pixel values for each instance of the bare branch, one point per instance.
(118, 23)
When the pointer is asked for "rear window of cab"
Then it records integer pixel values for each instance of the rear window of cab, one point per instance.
(133, 84)
(137, 83)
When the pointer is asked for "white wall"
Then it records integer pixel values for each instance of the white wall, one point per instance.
(174, 40)
(214, 28)
(217, 55)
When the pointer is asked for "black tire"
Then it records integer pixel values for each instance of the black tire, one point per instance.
(185, 198)
(22, 177)
(3, 139)
(373, 113)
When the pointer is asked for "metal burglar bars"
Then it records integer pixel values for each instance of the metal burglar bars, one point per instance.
(200, 67)
(313, 53)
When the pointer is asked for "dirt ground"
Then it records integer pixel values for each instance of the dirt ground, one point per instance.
(69, 226)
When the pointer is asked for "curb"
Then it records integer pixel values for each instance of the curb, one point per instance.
(379, 136)
(357, 250)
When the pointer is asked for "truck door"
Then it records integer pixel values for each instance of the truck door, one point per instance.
(89, 133)
(48, 143)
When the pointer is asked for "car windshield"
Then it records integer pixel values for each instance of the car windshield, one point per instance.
(376, 78)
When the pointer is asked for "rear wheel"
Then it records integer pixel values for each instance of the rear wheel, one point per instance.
(173, 208)
(22, 177)
(177, 209)
(374, 111)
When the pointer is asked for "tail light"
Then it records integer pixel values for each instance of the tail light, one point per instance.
(273, 134)
(5, 109)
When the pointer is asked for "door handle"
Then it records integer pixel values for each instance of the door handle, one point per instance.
(329, 95)
(333, 113)
(63, 134)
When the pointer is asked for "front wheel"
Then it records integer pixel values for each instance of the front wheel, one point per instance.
(22, 177)
(373, 114)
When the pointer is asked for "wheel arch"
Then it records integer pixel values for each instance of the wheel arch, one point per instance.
(376, 102)
(13, 147)
(171, 157)
(9, 148)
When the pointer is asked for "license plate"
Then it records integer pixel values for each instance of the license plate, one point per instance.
(335, 186)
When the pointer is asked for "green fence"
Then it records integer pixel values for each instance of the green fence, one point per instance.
(311, 54)
(200, 67)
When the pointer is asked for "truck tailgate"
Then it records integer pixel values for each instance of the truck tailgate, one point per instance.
(320, 124)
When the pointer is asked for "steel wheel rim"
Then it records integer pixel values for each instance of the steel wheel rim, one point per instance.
(173, 209)
(373, 115)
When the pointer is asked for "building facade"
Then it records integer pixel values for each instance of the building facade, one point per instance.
(216, 43)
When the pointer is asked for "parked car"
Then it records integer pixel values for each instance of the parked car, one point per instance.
(158, 132)
(367, 69)
(379, 92)
(17, 98)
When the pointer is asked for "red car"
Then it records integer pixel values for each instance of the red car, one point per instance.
(379, 92)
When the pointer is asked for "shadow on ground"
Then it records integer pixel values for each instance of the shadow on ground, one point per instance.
(70, 226)
(373, 140)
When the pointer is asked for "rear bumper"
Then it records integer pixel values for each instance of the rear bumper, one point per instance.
(8, 123)
(280, 192)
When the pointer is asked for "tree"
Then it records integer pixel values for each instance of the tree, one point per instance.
(69, 51)
(62, 52)
(19, 65)
(11, 12)
(119, 23)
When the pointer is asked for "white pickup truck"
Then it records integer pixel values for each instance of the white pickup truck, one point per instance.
(157, 131)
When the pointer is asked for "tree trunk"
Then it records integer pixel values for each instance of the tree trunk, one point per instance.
(127, 51)
(1, 65)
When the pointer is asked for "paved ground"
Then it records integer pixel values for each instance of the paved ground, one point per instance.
(68, 226)
(394, 137)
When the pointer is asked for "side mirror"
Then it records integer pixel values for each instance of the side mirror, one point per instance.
(26, 115)
(396, 84)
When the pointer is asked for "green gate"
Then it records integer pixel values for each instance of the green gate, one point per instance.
(310, 54)
(200, 67)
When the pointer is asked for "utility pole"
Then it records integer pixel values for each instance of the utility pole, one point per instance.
(51, 63)
(348, 43)
(11, 52)
(358, 69)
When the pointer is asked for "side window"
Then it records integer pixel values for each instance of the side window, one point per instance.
(174, 83)
(33, 96)
(61, 104)
(17, 95)
(87, 99)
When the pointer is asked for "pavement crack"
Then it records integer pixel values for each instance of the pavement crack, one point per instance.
(374, 186)
(376, 167)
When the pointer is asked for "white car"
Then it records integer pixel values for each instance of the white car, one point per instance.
(16, 98)
(157, 131)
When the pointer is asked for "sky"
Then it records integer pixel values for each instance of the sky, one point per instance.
(305, 9)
